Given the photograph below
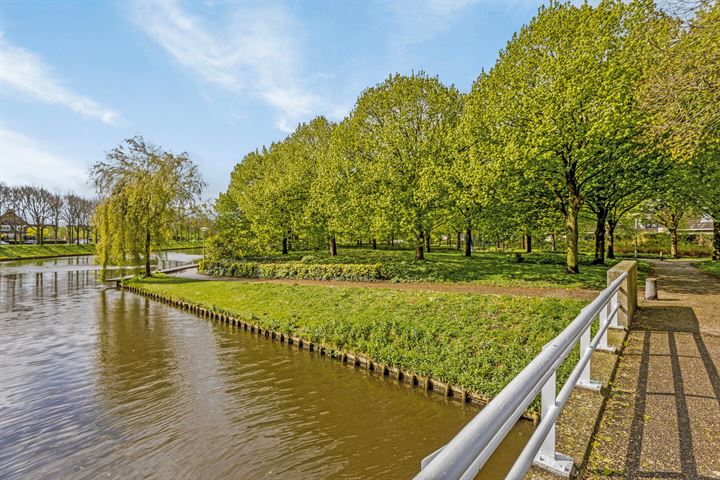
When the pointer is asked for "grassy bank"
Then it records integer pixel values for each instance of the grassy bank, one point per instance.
(478, 342)
(19, 252)
(446, 265)
(711, 266)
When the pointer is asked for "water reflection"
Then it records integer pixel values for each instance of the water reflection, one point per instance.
(98, 382)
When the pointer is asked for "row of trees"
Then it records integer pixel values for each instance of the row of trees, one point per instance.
(44, 209)
(591, 110)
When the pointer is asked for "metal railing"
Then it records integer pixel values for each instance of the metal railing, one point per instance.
(464, 455)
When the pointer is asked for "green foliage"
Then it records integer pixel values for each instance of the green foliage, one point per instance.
(558, 109)
(142, 191)
(556, 130)
(682, 96)
(479, 342)
(712, 267)
(298, 270)
(442, 266)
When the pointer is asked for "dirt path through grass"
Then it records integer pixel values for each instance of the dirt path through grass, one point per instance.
(662, 418)
(572, 293)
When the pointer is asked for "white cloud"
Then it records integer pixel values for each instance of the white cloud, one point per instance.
(24, 160)
(25, 72)
(419, 22)
(252, 52)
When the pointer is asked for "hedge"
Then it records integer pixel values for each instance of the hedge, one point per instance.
(301, 271)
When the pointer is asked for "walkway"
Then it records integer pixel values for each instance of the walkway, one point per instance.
(575, 293)
(662, 418)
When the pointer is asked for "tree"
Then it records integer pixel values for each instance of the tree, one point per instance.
(674, 201)
(560, 93)
(401, 131)
(623, 186)
(682, 94)
(36, 204)
(56, 205)
(707, 177)
(140, 187)
(71, 215)
(5, 197)
(682, 98)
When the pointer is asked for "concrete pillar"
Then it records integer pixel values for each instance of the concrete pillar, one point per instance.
(627, 296)
(651, 289)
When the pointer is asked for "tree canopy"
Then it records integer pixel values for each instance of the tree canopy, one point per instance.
(570, 121)
(142, 188)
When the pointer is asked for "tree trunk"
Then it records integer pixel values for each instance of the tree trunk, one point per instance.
(599, 258)
(674, 243)
(571, 223)
(419, 255)
(333, 246)
(457, 247)
(427, 242)
(285, 246)
(528, 243)
(147, 252)
(374, 243)
(716, 238)
(468, 242)
(611, 224)
(554, 242)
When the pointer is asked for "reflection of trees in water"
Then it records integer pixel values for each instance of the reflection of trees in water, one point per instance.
(9, 291)
(80, 279)
(135, 359)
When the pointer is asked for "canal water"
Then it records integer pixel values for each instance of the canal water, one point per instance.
(101, 383)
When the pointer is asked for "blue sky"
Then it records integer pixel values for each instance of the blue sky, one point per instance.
(216, 79)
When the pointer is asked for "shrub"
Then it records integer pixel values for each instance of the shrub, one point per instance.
(303, 271)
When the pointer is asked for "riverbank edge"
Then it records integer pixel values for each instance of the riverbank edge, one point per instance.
(82, 254)
(428, 384)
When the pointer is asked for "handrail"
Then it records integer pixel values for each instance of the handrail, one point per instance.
(468, 451)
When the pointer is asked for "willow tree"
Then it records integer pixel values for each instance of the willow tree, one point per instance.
(401, 134)
(141, 188)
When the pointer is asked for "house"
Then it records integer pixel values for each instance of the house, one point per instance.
(13, 228)
(702, 224)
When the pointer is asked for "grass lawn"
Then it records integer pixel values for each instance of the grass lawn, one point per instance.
(479, 342)
(18, 252)
(543, 269)
(710, 266)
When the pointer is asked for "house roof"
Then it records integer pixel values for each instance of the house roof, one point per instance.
(11, 218)
(700, 225)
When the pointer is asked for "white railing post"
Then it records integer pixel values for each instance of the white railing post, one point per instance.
(614, 320)
(467, 452)
(584, 380)
(605, 318)
(547, 458)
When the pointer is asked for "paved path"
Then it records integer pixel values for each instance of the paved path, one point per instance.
(662, 418)
(575, 293)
